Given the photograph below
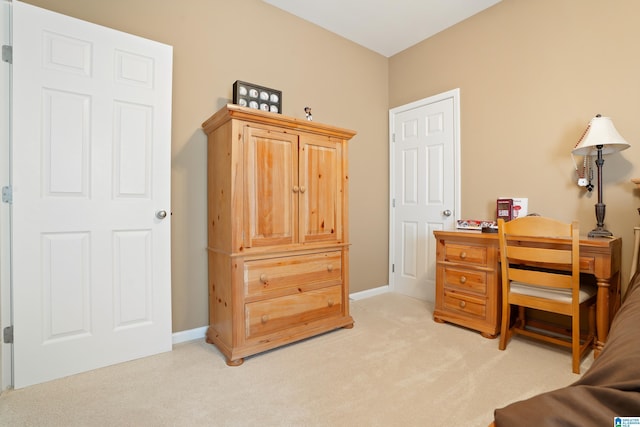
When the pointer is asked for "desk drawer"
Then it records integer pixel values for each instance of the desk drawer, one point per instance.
(587, 264)
(470, 280)
(464, 303)
(465, 253)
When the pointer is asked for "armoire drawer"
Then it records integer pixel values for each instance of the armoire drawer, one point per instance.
(466, 279)
(271, 315)
(293, 274)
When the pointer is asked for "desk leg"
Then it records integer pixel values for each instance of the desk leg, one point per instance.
(602, 316)
(607, 288)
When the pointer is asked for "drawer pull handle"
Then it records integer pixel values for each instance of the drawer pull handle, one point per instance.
(330, 302)
(463, 304)
(329, 268)
(303, 189)
(264, 278)
(296, 188)
(264, 318)
(463, 279)
(463, 255)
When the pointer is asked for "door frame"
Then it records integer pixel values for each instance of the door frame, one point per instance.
(455, 95)
(6, 350)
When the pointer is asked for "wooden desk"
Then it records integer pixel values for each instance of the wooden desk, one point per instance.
(468, 283)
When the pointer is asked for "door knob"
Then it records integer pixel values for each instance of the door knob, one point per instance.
(446, 212)
(161, 214)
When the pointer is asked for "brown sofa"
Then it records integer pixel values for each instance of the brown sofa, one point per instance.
(609, 389)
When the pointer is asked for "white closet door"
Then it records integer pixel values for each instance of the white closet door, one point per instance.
(424, 189)
(91, 180)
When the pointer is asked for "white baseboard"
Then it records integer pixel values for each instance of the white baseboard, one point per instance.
(369, 293)
(189, 335)
(199, 333)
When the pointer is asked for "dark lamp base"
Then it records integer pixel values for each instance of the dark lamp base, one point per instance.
(600, 232)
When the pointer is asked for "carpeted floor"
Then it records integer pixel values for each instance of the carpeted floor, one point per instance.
(396, 367)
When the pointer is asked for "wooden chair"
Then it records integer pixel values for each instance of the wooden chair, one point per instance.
(544, 278)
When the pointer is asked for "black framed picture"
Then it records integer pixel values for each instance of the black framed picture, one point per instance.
(258, 97)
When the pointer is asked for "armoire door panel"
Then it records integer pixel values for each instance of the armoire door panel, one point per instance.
(320, 190)
(271, 188)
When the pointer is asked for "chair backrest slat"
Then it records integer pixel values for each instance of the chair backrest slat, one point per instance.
(541, 255)
(551, 280)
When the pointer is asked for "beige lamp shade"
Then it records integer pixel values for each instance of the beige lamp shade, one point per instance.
(600, 131)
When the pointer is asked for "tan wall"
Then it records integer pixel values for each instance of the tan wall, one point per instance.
(531, 75)
(216, 42)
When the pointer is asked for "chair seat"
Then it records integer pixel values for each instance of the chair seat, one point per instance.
(563, 295)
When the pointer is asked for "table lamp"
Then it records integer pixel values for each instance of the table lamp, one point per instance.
(600, 138)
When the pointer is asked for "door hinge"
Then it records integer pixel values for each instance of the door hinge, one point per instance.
(393, 203)
(7, 194)
(393, 137)
(393, 268)
(7, 335)
(7, 53)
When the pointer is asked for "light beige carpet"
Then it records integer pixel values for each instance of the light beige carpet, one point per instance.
(396, 367)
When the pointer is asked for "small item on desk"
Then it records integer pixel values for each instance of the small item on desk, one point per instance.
(504, 209)
(475, 224)
(509, 208)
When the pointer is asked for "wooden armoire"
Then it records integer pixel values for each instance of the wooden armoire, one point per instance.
(278, 247)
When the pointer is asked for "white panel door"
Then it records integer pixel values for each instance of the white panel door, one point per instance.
(424, 193)
(91, 186)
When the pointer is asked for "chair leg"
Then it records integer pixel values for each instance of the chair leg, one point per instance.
(521, 321)
(504, 328)
(575, 343)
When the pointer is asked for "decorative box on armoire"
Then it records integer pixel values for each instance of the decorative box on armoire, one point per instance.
(278, 247)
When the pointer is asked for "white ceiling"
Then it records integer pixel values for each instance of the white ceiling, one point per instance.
(384, 26)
